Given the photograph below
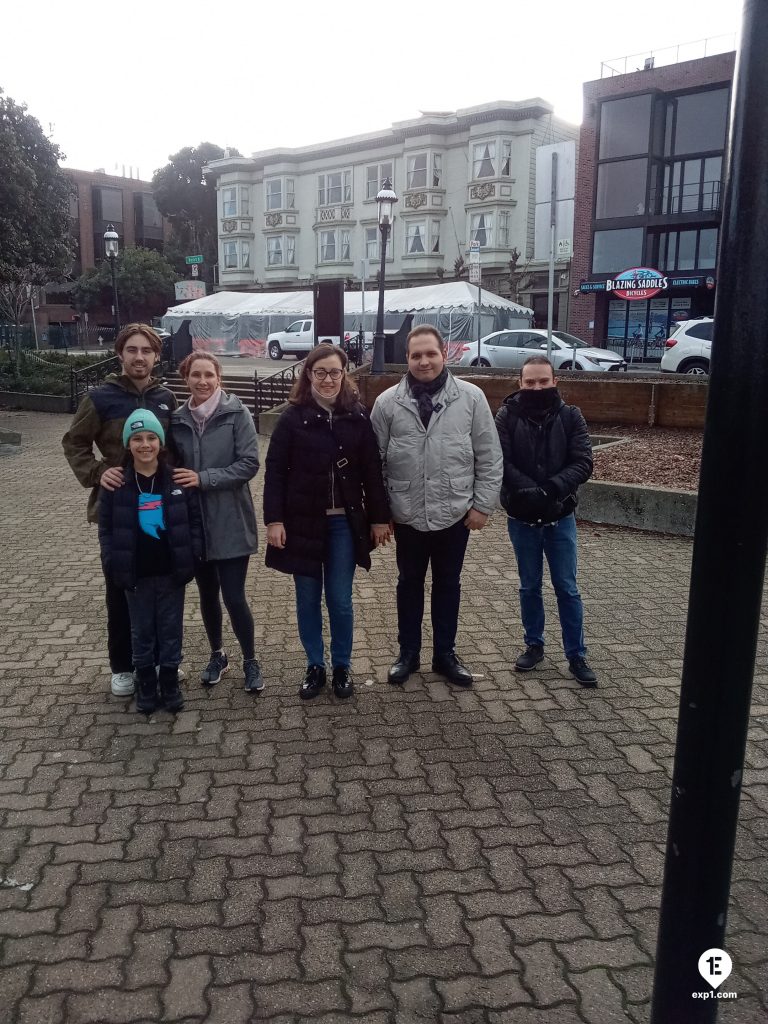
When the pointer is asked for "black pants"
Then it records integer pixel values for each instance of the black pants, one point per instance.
(157, 621)
(415, 550)
(225, 579)
(118, 629)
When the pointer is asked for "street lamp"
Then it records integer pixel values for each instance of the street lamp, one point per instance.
(111, 248)
(386, 200)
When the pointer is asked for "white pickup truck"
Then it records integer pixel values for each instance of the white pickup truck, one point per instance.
(298, 339)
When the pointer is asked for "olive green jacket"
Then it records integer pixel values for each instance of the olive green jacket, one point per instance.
(99, 421)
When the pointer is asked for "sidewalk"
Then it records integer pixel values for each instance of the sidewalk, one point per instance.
(417, 855)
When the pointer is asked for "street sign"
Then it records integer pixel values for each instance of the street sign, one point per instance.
(474, 273)
(195, 270)
(193, 259)
(474, 246)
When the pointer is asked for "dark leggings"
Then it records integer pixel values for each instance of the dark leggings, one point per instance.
(226, 579)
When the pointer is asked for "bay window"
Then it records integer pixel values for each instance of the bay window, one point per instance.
(334, 187)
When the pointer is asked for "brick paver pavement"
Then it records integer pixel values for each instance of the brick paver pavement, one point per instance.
(408, 856)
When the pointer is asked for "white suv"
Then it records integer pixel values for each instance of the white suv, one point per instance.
(689, 347)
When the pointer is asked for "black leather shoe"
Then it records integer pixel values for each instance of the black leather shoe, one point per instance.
(530, 658)
(314, 681)
(582, 673)
(343, 686)
(452, 667)
(407, 662)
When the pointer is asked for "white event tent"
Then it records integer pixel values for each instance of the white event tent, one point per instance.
(239, 322)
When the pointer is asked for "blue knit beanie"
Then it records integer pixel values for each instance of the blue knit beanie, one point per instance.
(142, 419)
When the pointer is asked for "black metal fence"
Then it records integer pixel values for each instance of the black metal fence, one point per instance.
(274, 389)
(81, 381)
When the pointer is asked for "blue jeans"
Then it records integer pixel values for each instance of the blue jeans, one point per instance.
(157, 621)
(338, 573)
(558, 543)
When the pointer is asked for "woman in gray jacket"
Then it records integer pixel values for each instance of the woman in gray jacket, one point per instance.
(215, 439)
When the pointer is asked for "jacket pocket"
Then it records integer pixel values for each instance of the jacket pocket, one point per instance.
(462, 489)
(400, 499)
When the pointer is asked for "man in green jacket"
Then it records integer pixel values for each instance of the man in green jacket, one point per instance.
(99, 421)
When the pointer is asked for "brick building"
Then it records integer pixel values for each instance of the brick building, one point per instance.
(649, 190)
(101, 199)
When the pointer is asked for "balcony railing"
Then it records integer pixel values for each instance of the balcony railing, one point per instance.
(697, 197)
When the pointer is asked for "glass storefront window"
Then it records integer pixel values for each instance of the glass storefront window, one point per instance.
(621, 189)
(617, 250)
(625, 126)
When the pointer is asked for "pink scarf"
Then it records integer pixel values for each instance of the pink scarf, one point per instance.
(203, 412)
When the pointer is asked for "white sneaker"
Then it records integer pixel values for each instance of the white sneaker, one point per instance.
(122, 684)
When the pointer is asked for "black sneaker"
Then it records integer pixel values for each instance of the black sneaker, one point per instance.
(343, 686)
(314, 681)
(254, 681)
(582, 673)
(453, 668)
(171, 695)
(530, 658)
(217, 666)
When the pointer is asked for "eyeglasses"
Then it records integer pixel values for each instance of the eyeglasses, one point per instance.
(322, 374)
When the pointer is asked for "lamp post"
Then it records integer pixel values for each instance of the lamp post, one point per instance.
(386, 200)
(111, 247)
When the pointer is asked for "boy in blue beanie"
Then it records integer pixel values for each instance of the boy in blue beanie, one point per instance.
(150, 534)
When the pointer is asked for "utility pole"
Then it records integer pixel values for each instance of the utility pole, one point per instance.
(551, 285)
(728, 568)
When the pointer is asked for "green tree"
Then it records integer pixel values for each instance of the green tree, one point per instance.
(145, 282)
(189, 202)
(35, 244)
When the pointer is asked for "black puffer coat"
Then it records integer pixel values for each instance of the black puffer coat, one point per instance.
(309, 449)
(555, 453)
(119, 527)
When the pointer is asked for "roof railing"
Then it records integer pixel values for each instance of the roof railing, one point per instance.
(649, 59)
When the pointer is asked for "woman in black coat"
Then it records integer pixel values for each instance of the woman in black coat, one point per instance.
(325, 507)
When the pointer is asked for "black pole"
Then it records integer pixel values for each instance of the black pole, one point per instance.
(377, 363)
(728, 568)
(116, 308)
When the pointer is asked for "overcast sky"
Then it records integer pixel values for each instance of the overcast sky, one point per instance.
(128, 84)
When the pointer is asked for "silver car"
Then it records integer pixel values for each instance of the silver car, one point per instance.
(510, 349)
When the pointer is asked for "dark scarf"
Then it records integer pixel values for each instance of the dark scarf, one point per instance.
(537, 404)
(423, 391)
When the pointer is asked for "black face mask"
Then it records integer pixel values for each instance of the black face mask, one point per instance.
(534, 400)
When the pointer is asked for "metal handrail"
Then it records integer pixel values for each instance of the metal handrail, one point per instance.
(274, 389)
(81, 381)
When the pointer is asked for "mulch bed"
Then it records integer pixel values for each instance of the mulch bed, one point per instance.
(653, 456)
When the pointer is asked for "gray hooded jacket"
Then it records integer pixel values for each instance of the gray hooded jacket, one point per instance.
(226, 458)
(434, 476)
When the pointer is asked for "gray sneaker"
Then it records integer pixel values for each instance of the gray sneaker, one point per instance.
(254, 681)
(217, 666)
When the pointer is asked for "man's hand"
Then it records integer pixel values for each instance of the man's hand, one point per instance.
(380, 534)
(112, 478)
(186, 477)
(475, 520)
(276, 535)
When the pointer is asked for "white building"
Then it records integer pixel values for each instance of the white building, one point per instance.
(291, 216)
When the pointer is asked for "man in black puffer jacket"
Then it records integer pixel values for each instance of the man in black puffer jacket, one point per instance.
(547, 455)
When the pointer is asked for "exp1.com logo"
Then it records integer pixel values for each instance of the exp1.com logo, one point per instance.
(714, 966)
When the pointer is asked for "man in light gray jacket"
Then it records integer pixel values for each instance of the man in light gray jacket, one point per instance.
(443, 468)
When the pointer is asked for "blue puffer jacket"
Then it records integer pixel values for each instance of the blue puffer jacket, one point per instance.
(119, 527)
